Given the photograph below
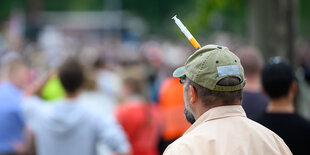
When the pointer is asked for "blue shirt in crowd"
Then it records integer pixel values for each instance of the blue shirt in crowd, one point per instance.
(11, 120)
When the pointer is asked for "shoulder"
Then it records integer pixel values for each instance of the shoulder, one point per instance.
(180, 146)
(261, 118)
(196, 142)
(270, 137)
(302, 121)
(32, 99)
(99, 120)
(31, 104)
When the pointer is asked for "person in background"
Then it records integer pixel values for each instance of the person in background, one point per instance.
(12, 123)
(139, 118)
(97, 102)
(280, 85)
(254, 102)
(303, 76)
(171, 105)
(212, 80)
(66, 127)
(108, 81)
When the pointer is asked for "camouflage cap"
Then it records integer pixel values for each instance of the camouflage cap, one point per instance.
(208, 65)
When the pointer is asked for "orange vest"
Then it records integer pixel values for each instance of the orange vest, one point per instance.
(171, 104)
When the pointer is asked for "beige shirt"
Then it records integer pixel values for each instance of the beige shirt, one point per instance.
(226, 130)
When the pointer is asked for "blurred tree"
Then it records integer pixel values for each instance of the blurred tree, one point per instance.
(33, 24)
(213, 15)
(271, 24)
(200, 16)
(273, 27)
(7, 6)
(73, 5)
(304, 18)
(158, 13)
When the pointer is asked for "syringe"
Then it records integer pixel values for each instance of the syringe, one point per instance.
(186, 32)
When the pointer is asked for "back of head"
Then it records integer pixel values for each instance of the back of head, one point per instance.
(71, 74)
(14, 66)
(17, 72)
(215, 73)
(134, 86)
(209, 97)
(277, 77)
(251, 61)
(133, 80)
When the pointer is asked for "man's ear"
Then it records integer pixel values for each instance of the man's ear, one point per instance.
(193, 94)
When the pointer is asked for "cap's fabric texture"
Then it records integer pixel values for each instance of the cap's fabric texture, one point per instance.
(208, 65)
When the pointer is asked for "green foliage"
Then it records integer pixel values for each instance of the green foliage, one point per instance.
(231, 13)
(304, 18)
(200, 16)
(158, 13)
(73, 5)
(7, 6)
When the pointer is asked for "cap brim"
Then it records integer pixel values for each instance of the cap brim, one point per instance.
(179, 72)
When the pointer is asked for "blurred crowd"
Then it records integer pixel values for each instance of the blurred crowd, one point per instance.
(122, 82)
(105, 93)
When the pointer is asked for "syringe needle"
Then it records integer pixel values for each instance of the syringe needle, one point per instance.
(186, 32)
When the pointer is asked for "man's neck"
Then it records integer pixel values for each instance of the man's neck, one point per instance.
(253, 84)
(202, 109)
(281, 105)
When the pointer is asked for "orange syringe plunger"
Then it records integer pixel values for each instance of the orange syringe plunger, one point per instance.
(188, 35)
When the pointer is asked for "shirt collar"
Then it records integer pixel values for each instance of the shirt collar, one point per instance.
(218, 113)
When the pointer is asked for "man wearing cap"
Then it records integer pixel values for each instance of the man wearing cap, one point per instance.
(213, 79)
